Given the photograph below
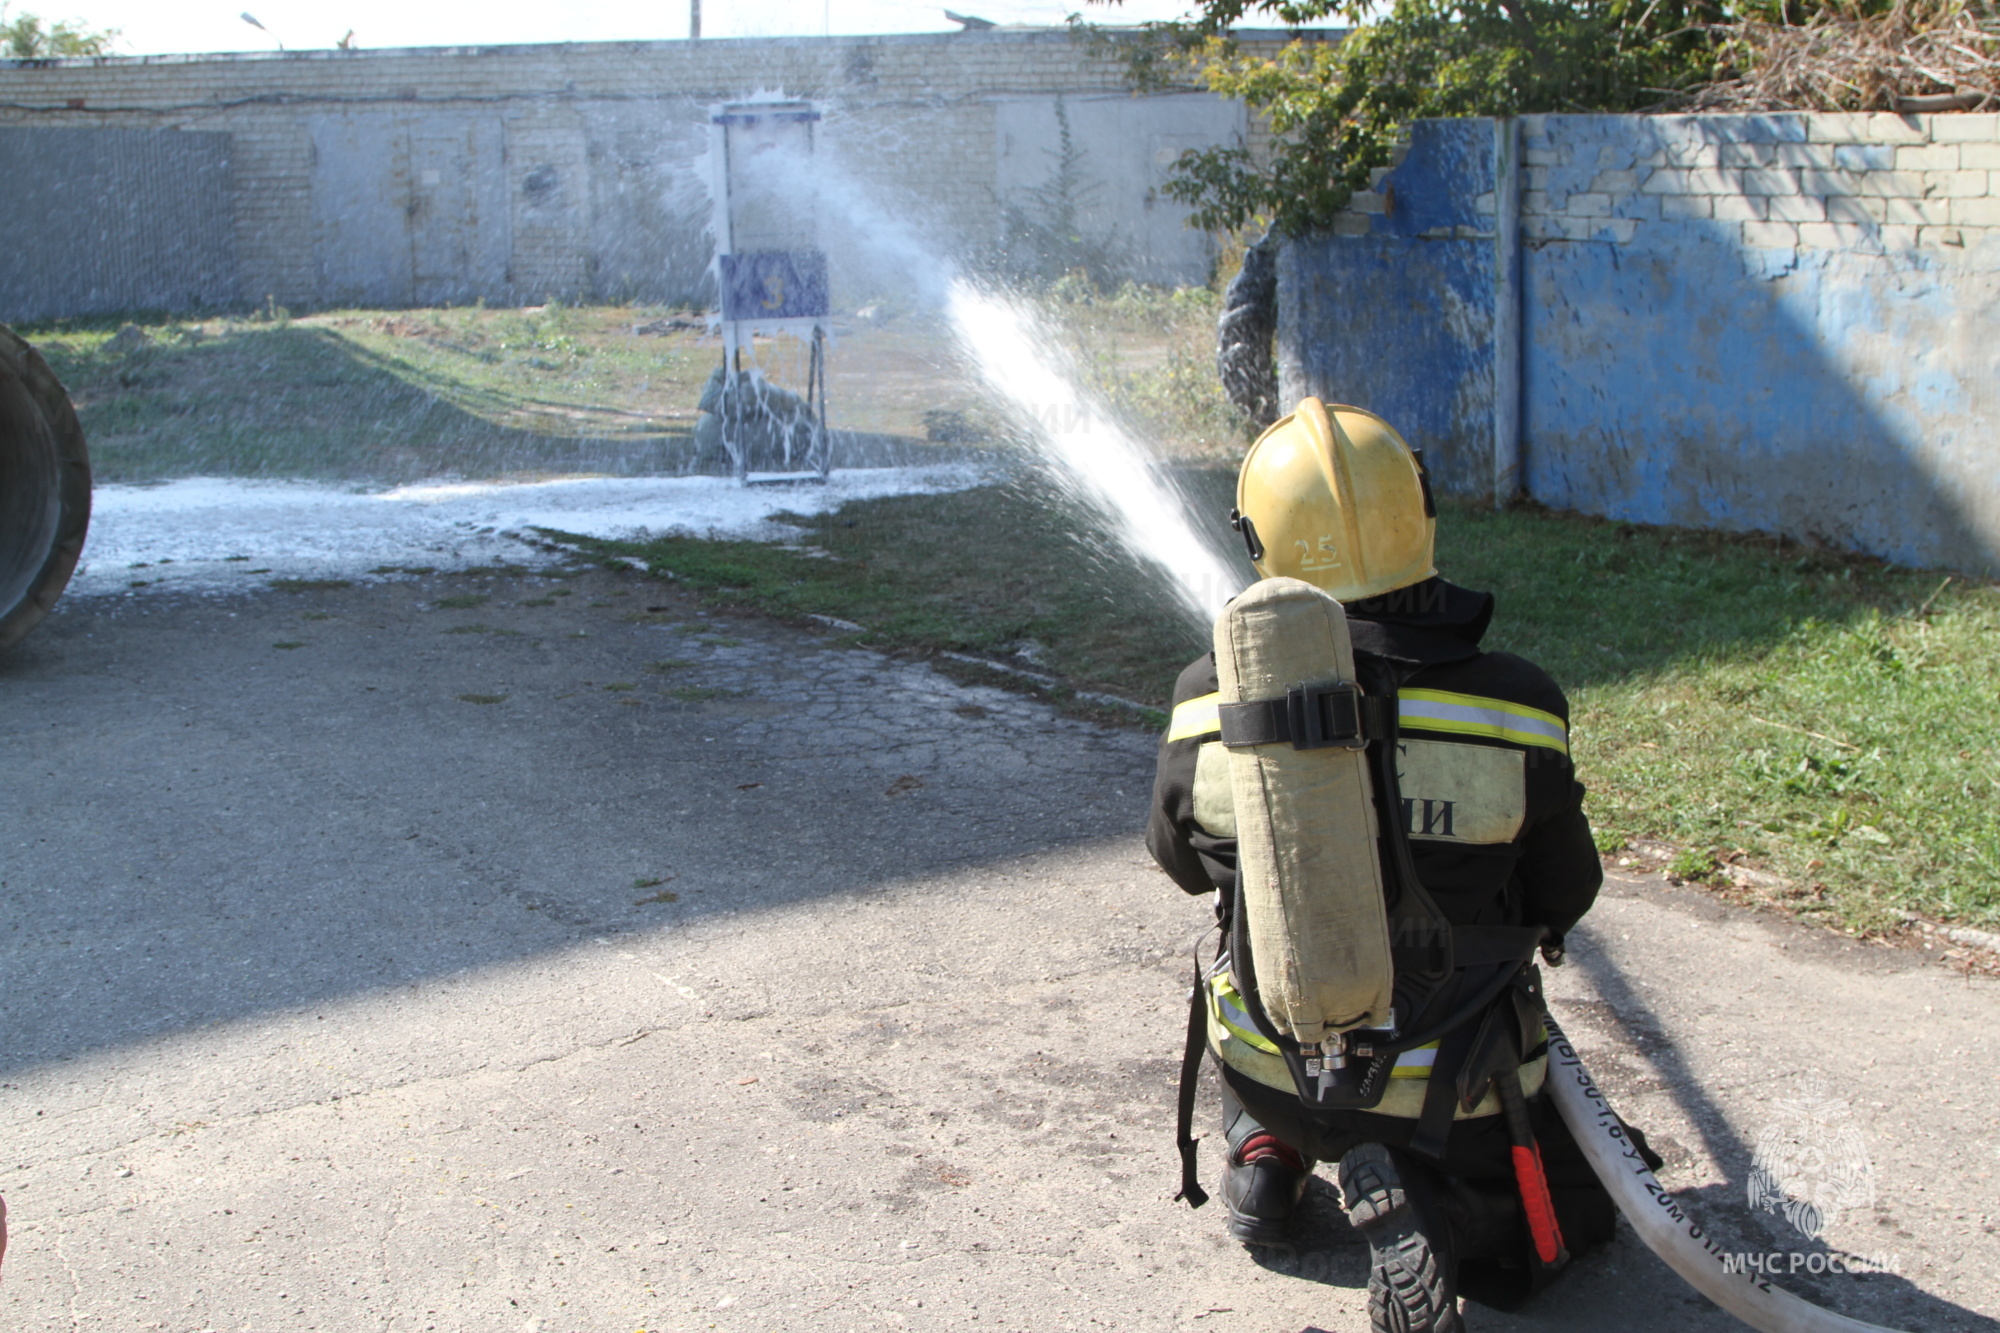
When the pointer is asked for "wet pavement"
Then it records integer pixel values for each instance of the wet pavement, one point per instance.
(586, 962)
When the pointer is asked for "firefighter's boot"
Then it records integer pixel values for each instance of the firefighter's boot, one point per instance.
(1413, 1277)
(1262, 1182)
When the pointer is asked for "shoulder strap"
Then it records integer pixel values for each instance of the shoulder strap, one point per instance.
(1441, 1095)
(1184, 1139)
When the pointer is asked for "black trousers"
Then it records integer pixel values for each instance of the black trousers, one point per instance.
(1474, 1181)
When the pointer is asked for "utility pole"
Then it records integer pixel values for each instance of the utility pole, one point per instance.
(694, 20)
(1506, 310)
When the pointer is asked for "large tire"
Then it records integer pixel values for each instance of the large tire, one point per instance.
(44, 488)
(1243, 349)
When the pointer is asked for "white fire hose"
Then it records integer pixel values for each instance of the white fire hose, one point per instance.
(1660, 1221)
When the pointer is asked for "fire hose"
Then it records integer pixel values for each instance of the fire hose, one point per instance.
(1667, 1228)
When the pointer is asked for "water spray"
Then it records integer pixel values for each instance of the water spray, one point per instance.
(1097, 462)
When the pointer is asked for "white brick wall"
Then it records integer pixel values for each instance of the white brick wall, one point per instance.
(927, 99)
(1854, 182)
(1870, 182)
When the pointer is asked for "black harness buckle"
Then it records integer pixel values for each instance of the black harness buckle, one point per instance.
(1308, 717)
(1325, 715)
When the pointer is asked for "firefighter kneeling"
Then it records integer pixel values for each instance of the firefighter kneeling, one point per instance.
(1392, 826)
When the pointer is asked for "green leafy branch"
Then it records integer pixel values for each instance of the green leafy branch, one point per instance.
(1336, 111)
(31, 37)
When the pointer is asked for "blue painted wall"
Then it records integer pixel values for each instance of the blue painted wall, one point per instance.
(1399, 319)
(1691, 371)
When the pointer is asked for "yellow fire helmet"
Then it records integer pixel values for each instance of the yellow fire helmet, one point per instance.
(1333, 495)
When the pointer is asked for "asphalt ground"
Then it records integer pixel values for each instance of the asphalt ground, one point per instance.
(454, 970)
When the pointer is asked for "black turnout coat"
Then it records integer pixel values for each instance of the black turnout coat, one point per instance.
(1491, 801)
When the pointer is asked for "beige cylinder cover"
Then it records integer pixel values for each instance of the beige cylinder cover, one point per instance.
(1309, 880)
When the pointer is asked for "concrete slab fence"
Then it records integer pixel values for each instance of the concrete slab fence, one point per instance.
(514, 173)
(1785, 323)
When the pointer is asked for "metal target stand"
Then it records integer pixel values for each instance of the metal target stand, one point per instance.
(771, 279)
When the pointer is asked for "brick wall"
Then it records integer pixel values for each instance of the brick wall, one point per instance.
(1779, 322)
(1855, 182)
(1870, 183)
(605, 131)
(98, 221)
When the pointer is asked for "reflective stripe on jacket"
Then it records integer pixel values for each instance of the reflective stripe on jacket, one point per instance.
(1490, 799)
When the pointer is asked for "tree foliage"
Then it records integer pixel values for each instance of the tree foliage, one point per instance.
(1337, 109)
(31, 37)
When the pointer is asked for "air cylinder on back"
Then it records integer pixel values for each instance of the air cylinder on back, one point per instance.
(1309, 878)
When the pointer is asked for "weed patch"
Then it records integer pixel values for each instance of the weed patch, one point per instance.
(1150, 353)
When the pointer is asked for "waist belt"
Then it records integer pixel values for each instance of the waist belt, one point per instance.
(1501, 951)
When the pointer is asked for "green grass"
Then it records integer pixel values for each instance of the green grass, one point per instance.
(372, 396)
(1828, 718)
(977, 572)
(382, 396)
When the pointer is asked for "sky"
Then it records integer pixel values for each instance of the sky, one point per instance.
(151, 27)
